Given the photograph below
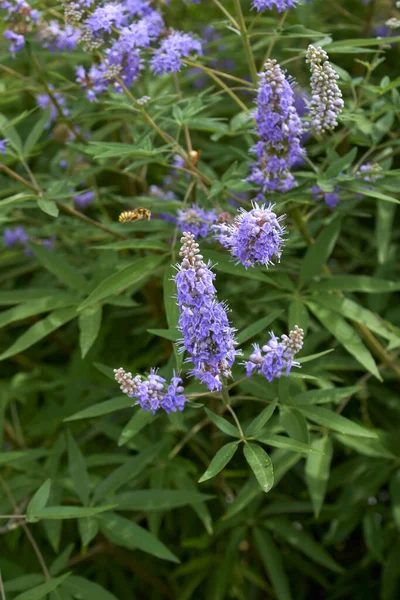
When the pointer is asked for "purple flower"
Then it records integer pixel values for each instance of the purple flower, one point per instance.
(280, 5)
(54, 37)
(103, 18)
(17, 41)
(168, 57)
(137, 8)
(83, 199)
(15, 236)
(280, 130)
(48, 242)
(196, 220)
(207, 334)
(326, 100)
(151, 393)
(45, 101)
(369, 172)
(3, 144)
(331, 199)
(254, 237)
(276, 355)
(93, 80)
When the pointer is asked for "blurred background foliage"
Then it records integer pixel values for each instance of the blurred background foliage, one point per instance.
(112, 503)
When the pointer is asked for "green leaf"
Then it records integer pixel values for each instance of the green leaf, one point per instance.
(57, 264)
(169, 334)
(220, 460)
(128, 471)
(367, 191)
(170, 301)
(10, 133)
(102, 408)
(25, 455)
(77, 470)
(373, 536)
(304, 542)
(383, 230)
(39, 499)
(261, 465)
(40, 330)
(146, 244)
(117, 282)
(222, 424)
(36, 131)
(280, 441)
(155, 499)
(42, 590)
(317, 471)
(317, 254)
(390, 578)
(88, 529)
(49, 207)
(222, 263)
(83, 588)
(272, 562)
(325, 395)
(35, 307)
(140, 419)
(298, 315)
(295, 425)
(327, 418)
(261, 419)
(351, 310)
(89, 325)
(347, 336)
(356, 283)
(257, 327)
(365, 446)
(122, 532)
(340, 163)
(68, 512)
(394, 488)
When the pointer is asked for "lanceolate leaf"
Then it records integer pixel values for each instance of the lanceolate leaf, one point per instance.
(261, 465)
(220, 460)
(327, 418)
(272, 562)
(319, 252)
(317, 471)
(42, 590)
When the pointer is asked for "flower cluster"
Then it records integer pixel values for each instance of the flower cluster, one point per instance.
(280, 5)
(280, 129)
(326, 100)
(196, 220)
(168, 57)
(369, 172)
(83, 199)
(331, 199)
(207, 334)
(254, 237)
(20, 18)
(57, 38)
(45, 101)
(19, 237)
(151, 393)
(276, 355)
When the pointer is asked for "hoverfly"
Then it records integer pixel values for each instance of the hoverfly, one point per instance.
(134, 215)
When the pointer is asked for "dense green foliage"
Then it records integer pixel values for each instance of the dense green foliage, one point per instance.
(120, 504)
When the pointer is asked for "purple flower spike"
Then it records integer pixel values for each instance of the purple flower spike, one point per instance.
(151, 393)
(276, 355)
(280, 5)
(168, 57)
(207, 334)
(254, 237)
(280, 130)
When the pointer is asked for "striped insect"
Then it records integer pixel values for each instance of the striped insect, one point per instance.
(134, 215)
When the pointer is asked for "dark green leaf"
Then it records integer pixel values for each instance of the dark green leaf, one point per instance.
(261, 419)
(222, 424)
(42, 590)
(89, 325)
(327, 418)
(260, 464)
(77, 470)
(320, 251)
(220, 460)
(317, 471)
(272, 562)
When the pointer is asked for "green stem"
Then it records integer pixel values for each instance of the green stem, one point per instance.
(246, 42)
(273, 40)
(227, 14)
(226, 399)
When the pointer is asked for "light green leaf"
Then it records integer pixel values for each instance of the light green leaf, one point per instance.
(356, 283)
(36, 131)
(280, 441)
(317, 254)
(220, 460)
(298, 315)
(140, 419)
(327, 418)
(35, 307)
(304, 542)
(146, 244)
(57, 264)
(272, 562)
(39, 499)
(158, 499)
(89, 325)
(257, 327)
(77, 470)
(222, 424)
(347, 336)
(326, 395)
(394, 488)
(383, 230)
(122, 532)
(102, 408)
(47, 206)
(68, 512)
(317, 471)
(367, 191)
(117, 282)
(83, 588)
(261, 419)
(42, 590)
(25, 455)
(365, 446)
(40, 330)
(261, 465)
